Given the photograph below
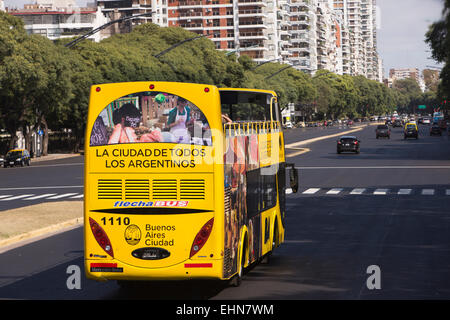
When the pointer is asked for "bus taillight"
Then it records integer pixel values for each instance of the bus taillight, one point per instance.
(101, 237)
(201, 237)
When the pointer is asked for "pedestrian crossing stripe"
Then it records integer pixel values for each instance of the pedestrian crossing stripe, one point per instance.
(358, 191)
(46, 196)
(335, 191)
(381, 191)
(404, 191)
(311, 191)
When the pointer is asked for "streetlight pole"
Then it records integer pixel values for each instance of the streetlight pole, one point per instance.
(240, 49)
(94, 31)
(259, 65)
(179, 44)
(279, 71)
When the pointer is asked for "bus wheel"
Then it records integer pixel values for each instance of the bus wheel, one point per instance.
(275, 243)
(237, 279)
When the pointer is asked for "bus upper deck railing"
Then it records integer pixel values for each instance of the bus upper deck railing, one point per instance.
(251, 127)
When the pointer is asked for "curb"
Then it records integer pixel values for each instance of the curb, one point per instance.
(47, 231)
(54, 157)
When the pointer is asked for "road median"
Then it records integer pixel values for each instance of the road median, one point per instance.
(25, 223)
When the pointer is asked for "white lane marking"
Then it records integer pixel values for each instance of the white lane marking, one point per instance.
(335, 191)
(62, 196)
(311, 191)
(78, 196)
(32, 188)
(358, 191)
(41, 196)
(427, 192)
(36, 165)
(404, 191)
(380, 191)
(17, 197)
(5, 196)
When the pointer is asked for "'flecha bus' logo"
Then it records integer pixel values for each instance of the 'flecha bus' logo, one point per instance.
(151, 203)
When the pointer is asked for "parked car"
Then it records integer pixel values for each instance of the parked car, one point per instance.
(1, 160)
(435, 129)
(383, 131)
(350, 122)
(411, 131)
(17, 157)
(348, 144)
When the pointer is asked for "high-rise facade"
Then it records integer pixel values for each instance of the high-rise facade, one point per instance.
(336, 35)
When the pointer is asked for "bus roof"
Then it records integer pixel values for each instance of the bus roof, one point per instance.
(249, 90)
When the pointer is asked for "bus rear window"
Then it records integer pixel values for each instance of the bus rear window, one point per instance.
(151, 117)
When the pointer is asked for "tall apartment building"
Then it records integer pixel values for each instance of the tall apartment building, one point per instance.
(405, 73)
(303, 34)
(60, 19)
(246, 26)
(336, 35)
(116, 9)
(360, 18)
(283, 30)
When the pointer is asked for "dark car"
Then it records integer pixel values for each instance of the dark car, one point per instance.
(435, 129)
(348, 144)
(397, 123)
(411, 131)
(383, 131)
(17, 157)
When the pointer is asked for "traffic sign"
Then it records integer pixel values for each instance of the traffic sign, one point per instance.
(422, 107)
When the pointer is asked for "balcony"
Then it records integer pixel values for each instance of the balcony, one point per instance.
(252, 35)
(257, 3)
(252, 13)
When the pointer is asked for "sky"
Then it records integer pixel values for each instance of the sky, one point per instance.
(401, 33)
(402, 26)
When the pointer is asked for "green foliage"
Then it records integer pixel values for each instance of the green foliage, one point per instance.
(438, 38)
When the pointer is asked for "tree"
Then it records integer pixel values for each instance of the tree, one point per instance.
(438, 38)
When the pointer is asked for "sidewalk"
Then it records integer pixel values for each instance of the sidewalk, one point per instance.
(55, 156)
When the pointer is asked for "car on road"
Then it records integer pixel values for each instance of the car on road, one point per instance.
(348, 144)
(397, 123)
(350, 122)
(426, 121)
(411, 131)
(383, 131)
(435, 130)
(16, 157)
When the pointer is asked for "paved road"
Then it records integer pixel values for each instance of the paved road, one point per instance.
(387, 206)
(54, 180)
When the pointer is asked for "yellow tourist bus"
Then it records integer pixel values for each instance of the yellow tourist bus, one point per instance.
(182, 181)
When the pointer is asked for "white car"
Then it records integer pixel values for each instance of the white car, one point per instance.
(426, 121)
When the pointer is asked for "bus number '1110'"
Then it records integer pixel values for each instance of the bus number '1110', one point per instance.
(119, 221)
